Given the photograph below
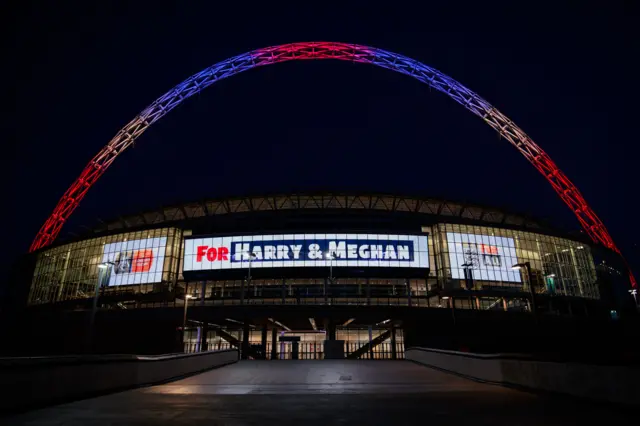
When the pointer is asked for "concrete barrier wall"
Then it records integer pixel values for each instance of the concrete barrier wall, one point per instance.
(29, 382)
(618, 384)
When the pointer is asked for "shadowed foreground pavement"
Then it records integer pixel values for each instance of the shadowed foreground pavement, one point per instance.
(322, 393)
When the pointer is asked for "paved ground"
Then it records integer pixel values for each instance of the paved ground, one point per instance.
(322, 393)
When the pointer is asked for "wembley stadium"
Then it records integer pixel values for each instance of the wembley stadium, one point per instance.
(323, 275)
(287, 276)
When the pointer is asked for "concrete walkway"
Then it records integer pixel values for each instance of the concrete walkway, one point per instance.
(321, 393)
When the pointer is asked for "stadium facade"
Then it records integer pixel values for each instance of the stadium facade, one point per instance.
(285, 276)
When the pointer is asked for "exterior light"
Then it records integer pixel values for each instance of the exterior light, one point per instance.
(445, 297)
(188, 296)
(565, 250)
(517, 267)
(349, 321)
(313, 323)
(580, 248)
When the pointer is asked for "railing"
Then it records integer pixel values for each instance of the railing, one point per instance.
(414, 301)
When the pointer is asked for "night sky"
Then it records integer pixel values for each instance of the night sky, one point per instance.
(567, 75)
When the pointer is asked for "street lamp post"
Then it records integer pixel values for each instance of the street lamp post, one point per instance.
(252, 256)
(527, 266)
(186, 305)
(184, 318)
(104, 272)
(330, 256)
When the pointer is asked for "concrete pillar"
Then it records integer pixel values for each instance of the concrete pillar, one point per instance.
(245, 341)
(394, 353)
(203, 336)
(264, 342)
(330, 328)
(274, 343)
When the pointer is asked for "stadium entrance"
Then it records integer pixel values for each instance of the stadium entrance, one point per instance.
(279, 342)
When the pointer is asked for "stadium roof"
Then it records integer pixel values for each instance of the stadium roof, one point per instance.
(319, 201)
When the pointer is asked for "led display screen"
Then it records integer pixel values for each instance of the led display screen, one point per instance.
(487, 257)
(135, 261)
(306, 250)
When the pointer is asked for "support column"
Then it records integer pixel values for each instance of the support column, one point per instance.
(204, 292)
(330, 328)
(394, 352)
(203, 336)
(370, 342)
(505, 305)
(264, 341)
(408, 285)
(274, 343)
(245, 341)
(333, 349)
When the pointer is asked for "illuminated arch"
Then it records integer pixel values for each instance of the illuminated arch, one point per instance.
(324, 50)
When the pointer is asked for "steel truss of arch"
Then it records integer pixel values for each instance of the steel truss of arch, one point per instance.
(567, 191)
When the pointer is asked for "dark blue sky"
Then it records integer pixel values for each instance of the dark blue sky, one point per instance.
(565, 74)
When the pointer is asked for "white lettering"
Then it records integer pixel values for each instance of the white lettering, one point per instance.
(314, 252)
(363, 251)
(282, 252)
(403, 252)
(242, 251)
(257, 250)
(296, 250)
(390, 253)
(376, 252)
(338, 250)
(269, 252)
(352, 251)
